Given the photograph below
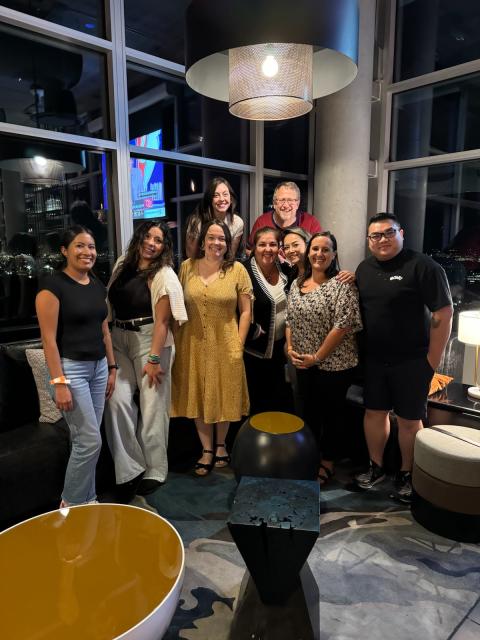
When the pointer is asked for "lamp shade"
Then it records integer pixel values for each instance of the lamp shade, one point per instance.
(40, 163)
(469, 327)
(270, 58)
(283, 88)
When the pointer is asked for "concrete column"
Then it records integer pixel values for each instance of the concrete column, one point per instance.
(342, 152)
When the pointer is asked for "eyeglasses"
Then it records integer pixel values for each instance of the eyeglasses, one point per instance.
(286, 200)
(377, 236)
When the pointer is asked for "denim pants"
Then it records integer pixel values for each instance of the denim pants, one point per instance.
(88, 383)
(138, 442)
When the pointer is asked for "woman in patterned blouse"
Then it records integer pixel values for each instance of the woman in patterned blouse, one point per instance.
(322, 316)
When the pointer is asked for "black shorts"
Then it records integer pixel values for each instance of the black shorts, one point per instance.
(401, 386)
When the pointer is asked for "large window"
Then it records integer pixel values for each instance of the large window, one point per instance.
(189, 123)
(85, 15)
(435, 34)
(156, 28)
(72, 131)
(286, 145)
(51, 85)
(435, 119)
(439, 207)
(44, 189)
(438, 204)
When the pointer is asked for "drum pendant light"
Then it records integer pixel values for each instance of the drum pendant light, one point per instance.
(281, 89)
(269, 59)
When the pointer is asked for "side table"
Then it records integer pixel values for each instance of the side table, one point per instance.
(454, 406)
(275, 523)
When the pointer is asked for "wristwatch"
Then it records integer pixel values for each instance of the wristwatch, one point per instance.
(113, 366)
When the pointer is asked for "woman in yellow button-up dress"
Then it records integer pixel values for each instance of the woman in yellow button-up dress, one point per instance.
(209, 382)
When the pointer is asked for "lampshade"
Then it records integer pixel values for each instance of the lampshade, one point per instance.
(282, 90)
(271, 58)
(40, 163)
(469, 327)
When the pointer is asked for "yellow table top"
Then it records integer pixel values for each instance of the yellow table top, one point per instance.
(276, 422)
(87, 572)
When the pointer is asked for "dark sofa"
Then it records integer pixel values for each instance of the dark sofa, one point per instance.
(33, 455)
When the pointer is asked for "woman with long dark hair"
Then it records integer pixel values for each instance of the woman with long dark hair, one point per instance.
(209, 383)
(294, 245)
(322, 317)
(72, 315)
(218, 202)
(144, 294)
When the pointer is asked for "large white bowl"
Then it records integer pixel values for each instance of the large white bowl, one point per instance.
(91, 572)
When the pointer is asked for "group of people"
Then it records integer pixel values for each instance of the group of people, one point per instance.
(212, 343)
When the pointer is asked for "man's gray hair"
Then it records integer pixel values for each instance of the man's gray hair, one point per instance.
(287, 185)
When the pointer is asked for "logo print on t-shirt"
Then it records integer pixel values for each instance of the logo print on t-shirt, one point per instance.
(396, 277)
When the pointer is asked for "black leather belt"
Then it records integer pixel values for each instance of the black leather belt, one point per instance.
(132, 325)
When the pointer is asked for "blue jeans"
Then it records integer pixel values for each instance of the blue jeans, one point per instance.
(88, 383)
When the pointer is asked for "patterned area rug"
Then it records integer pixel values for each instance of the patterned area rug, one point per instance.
(379, 573)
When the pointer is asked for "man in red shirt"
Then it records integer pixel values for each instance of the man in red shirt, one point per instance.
(286, 200)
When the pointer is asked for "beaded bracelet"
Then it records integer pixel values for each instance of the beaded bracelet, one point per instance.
(153, 359)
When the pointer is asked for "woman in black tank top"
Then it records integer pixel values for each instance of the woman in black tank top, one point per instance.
(72, 315)
(144, 295)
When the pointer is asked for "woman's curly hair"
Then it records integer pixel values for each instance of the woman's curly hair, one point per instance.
(132, 254)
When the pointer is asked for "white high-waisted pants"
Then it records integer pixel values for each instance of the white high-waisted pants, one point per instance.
(138, 442)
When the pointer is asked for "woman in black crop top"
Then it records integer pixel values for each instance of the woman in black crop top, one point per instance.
(72, 314)
(144, 295)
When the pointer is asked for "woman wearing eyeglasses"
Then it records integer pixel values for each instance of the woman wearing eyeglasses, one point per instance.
(323, 315)
(219, 202)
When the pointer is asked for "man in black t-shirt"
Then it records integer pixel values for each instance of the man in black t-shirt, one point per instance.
(407, 316)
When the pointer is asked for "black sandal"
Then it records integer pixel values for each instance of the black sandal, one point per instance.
(223, 460)
(200, 466)
(329, 474)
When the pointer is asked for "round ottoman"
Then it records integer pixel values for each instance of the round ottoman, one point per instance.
(274, 444)
(446, 481)
(90, 572)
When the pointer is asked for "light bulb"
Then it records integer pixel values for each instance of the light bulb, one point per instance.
(40, 161)
(270, 67)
